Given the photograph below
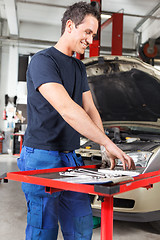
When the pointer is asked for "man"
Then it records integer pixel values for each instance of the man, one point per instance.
(60, 106)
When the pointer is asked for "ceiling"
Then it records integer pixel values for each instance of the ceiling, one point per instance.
(139, 15)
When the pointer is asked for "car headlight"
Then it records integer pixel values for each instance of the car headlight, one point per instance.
(140, 158)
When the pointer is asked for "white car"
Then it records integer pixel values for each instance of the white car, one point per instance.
(126, 92)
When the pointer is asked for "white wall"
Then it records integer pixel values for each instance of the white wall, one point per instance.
(40, 31)
(129, 39)
(3, 82)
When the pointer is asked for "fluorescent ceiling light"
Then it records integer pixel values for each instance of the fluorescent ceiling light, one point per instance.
(105, 16)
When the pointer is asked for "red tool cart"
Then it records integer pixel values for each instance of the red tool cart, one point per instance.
(50, 179)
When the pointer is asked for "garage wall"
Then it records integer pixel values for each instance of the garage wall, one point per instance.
(40, 31)
(3, 81)
(129, 39)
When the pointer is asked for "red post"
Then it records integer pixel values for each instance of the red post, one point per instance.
(94, 48)
(117, 33)
(107, 218)
(79, 56)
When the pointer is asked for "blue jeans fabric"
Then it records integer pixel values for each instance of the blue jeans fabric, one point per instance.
(71, 209)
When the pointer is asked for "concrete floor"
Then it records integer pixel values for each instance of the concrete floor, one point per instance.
(13, 213)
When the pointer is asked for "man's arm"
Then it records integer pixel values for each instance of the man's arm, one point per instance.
(108, 159)
(91, 110)
(78, 118)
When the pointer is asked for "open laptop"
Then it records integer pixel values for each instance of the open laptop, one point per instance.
(152, 165)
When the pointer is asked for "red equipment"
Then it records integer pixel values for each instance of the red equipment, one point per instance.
(46, 177)
(117, 32)
(94, 48)
(4, 114)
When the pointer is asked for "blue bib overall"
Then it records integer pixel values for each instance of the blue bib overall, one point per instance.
(71, 209)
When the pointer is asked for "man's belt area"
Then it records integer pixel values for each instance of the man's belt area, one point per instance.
(66, 151)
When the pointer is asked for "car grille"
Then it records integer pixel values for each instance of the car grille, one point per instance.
(117, 202)
(123, 203)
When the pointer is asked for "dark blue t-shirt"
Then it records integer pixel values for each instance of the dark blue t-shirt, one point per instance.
(46, 129)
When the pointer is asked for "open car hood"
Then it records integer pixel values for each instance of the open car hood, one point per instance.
(124, 89)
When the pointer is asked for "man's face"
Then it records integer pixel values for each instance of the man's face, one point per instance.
(83, 34)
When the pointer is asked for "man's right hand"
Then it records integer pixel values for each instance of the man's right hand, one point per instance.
(113, 153)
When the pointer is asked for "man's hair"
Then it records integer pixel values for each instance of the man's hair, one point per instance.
(77, 12)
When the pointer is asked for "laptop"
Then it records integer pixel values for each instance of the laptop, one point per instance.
(152, 165)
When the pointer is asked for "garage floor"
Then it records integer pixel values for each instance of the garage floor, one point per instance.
(13, 213)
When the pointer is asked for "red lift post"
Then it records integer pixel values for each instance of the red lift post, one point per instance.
(94, 48)
(79, 56)
(117, 32)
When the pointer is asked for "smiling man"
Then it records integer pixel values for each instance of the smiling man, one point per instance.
(76, 38)
(60, 108)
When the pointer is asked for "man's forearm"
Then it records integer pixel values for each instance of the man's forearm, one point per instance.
(87, 125)
(94, 115)
(91, 110)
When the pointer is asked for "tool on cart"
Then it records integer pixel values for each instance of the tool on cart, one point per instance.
(83, 172)
(81, 175)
